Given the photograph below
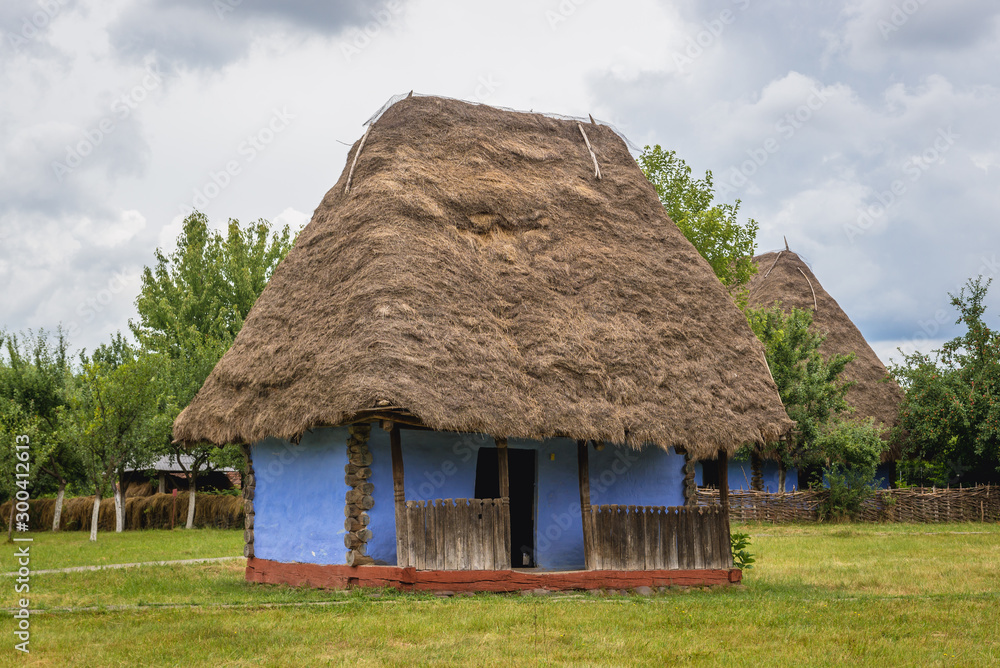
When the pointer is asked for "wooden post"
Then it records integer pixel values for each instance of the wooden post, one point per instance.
(402, 540)
(583, 464)
(504, 494)
(727, 554)
(690, 486)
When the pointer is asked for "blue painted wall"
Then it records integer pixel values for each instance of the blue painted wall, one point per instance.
(740, 475)
(299, 498)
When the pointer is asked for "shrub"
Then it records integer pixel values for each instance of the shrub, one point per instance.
(853, 450)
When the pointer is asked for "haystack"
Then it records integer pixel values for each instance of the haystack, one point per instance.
(471, 269)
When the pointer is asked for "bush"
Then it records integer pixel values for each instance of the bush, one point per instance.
(853, 450)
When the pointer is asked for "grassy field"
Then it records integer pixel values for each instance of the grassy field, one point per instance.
(820, 595)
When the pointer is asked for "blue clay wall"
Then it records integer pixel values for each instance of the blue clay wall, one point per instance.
(740, 475)
(299, 498)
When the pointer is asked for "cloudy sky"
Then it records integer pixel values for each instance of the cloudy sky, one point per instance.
(864, 131)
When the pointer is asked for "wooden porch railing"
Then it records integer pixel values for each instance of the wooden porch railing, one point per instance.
(657, 537)
(457, 534)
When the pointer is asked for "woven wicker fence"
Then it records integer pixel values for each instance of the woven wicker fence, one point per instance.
(919, 504)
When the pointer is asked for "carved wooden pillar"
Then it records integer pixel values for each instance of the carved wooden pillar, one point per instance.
(249, 486)
(690, 486)
(359, 497)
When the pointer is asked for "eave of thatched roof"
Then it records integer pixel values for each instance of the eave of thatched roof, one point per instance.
(480, 276)
(783, 277)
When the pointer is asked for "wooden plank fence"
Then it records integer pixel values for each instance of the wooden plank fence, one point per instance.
(657, 537)
(457, 534)
(918, 504)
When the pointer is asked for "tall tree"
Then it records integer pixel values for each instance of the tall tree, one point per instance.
(951, 411)
(713, 229)
(191, 306)
(809, 385)
(114, 411)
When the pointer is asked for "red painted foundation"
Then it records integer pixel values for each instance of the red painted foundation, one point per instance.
(410, 579)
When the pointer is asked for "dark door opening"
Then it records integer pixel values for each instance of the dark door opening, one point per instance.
(521, 474)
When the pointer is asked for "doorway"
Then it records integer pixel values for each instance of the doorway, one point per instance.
(521, 467)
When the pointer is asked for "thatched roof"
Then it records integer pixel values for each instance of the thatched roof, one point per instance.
(478, 275)
(784, 277)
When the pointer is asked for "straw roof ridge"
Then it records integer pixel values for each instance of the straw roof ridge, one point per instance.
(480, 276)
(782, 276)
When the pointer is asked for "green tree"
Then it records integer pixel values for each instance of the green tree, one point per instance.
(112, 416)
(951, 411)
(809, 385)
(191, 306)
(203, 290)
(20, 434)
(713, 229)
(34, 373)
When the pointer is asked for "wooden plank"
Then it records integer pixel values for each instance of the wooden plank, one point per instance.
(598, 544)
(608, 514)
(450, 534)
(684, 561)
(501, 555)
(463, 526)
(583, 471)
(440, 533)
(430, 535)
(475, 544)
(412, 533)
(669, 538)
(697, 534)
(722, 552)
(619, 537)
(651, 540)
(399, 496)
(634, 554)
(489, 563)
(711, 537)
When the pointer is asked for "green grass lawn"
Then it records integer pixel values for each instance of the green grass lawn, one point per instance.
(820, 595)
(73, 548)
